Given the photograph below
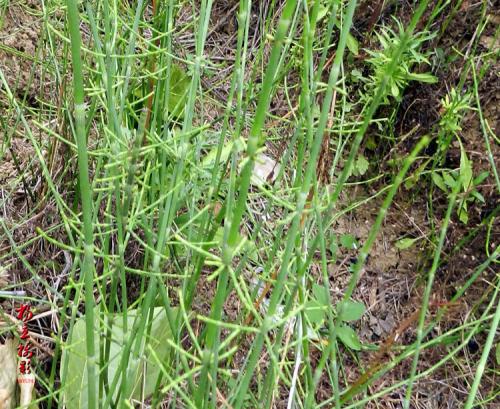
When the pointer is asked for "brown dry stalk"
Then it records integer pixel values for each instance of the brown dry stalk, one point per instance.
(261, 297)
(221, 398)
(54, 146)
(325, 161)
(378, 359)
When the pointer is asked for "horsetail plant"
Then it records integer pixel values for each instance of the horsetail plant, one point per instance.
(170, 228)
(232, 226)
(87, 271)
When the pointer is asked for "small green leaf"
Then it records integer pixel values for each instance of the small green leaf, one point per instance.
(439, 182)
(465, 169)
(352, 44)
(497, 353)
(371, 143)
(423, 77)
(351, 310)
(321, 295)
(362, 165)
(315, 312)
(462, 213)
(357, 75)
(218, 236)
(413, 180)
(349, 337)
(449, 180)
(209, 160)
(478, 196)
(394, 90)
(410, 182)
(251, 250)
(348, 241)
(481, 178)
(323, 11)
(406, 242)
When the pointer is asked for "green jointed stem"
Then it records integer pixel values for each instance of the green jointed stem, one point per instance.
(427, 292)
(435, 341)
(344, 175)
(253, 145)
(301, 202)
(484, 358)
(254, 142)
(485, 132)
(87, 270)
(309, 85)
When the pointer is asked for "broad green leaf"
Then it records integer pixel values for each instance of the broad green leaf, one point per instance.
(406, 243)
(349, 337)
(74, 355)
(351, 310)
(179, 87)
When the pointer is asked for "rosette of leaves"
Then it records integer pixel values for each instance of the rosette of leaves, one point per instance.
(390, 41)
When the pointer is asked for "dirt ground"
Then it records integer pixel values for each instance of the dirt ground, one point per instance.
(392, 281)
